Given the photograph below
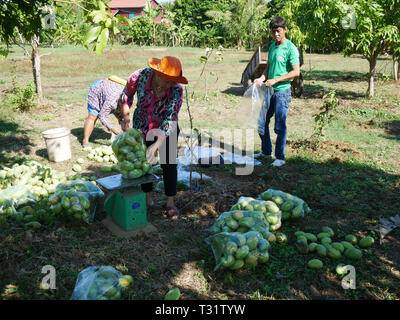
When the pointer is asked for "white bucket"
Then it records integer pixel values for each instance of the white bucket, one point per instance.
(58, 144)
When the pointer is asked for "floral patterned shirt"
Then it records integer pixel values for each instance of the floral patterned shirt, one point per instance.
(151, 112)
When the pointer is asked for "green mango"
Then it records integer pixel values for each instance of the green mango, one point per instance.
(267, 195)
(353, 253)
(302, 238)
(326, 240)
(237, 265)
(227, 261)
(287, 206)
(263, 257)
(247, 222)
(328, 230)
(241, 239)
(33, 224)
(134, 174)
(322, 235)
(340, 270)
(297, 212)
(299, 233)
(242, 252)
(312, 247)
(278, 200)
(311, 237)
(173, 294)
(252, 258)
(231, 223)
(346, 244)
(237, 215)
(263, 245)
(366, 242)
(351, 238)
(315, 264)
(281, 237)
(334, 254)
(338, 246)
(302, 246)
(272, 219)
(230, 248)
(252, 243)
(272, 207)
(321, 250)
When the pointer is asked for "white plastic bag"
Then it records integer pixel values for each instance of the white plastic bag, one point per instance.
(256, 93)
(269, 91)
(98, 283)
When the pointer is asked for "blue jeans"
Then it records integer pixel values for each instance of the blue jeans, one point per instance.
(276, 104)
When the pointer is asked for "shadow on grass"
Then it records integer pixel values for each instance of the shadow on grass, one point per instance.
(334, 76)
(392, 129)
(97, 134)
(13, 139)
(346, 196)
(236, 90)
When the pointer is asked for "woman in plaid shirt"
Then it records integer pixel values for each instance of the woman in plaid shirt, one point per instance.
(103, 100)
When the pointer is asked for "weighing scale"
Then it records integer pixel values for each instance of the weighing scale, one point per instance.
(126, 204)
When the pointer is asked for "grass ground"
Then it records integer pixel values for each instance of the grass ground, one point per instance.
(350, 181)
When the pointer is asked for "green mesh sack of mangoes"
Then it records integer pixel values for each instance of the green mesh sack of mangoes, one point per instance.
(269, 209)
(75, 200)
(98, 283)
(130, 150)
(292, 207)
(241, 221)
(235, 250)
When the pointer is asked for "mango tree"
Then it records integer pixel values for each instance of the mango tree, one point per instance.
(22, 21)
(375, 32)
(366, 27)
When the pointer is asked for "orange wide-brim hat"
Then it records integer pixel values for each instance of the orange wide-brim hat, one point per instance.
(169, 68)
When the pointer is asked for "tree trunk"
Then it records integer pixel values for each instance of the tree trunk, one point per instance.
(396, 69)
(36, 64)
(371, 80)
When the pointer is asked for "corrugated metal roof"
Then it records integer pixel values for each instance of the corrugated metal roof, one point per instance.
(128, 3)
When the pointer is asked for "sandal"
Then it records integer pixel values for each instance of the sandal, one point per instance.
(172, 213)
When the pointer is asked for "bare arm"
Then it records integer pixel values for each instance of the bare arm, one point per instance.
(259, 81)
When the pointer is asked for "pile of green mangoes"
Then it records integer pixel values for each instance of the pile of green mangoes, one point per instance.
(130, 151)
(103, 154)
(269, 209)
(323, 245)
(40, 180)
(292, 207)
(235, 250)
(100, 283)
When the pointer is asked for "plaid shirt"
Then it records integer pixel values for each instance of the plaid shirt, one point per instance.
(104, 98)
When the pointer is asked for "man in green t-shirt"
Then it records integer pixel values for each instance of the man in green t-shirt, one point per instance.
(283, 66)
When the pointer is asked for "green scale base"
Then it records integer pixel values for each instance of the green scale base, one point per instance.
(126, 205)
(127, 208)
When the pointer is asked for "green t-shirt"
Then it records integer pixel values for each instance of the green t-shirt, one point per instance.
(281, 59)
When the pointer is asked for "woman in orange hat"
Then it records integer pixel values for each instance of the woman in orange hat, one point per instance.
(159, 99)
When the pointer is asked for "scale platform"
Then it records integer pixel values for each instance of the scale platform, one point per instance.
(126, 203)
(117, 182)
